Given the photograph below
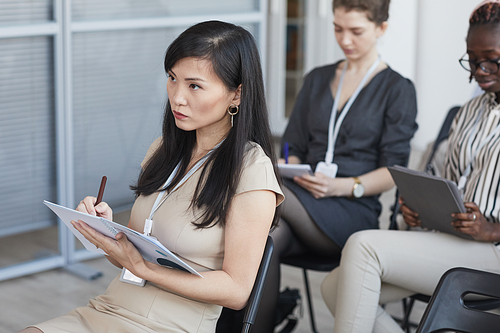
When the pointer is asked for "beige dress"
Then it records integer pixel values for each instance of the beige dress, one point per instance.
(129, 308)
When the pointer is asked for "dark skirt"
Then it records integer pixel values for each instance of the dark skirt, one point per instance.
(339, 217)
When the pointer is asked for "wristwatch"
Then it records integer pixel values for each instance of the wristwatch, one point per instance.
(357, 189)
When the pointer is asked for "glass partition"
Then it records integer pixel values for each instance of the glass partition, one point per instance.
(20, 12)
(82, 95)
(89, 10)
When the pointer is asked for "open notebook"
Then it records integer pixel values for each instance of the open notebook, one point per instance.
(150, 249)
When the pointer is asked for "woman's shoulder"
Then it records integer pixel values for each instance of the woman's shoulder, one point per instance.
(151, 150)
(322, 73)
(390, 83)
(255, 154)
(395, 80)
(471, 108)
(258, 172)
(484, 98)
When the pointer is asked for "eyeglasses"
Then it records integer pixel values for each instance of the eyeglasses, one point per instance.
(487, 66)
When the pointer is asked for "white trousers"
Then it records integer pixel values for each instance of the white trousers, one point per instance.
(381, 266)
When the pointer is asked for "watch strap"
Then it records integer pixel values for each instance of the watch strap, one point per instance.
(357, 182)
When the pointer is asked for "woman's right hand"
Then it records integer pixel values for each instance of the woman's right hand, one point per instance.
(411, 218)
(102, 209)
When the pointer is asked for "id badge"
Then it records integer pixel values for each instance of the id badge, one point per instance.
(329, 170)
(128, 277)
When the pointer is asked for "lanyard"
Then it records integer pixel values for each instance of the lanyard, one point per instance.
(471, 156)
(160, 199)
(334, 125)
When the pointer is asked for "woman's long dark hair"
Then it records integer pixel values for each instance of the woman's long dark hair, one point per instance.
(235, 60)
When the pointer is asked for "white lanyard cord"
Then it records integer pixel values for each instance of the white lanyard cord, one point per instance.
(334, 125)
(471, 156)
(160, 199)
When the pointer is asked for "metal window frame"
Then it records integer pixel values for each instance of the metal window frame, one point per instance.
(62, 29)
(54, 29)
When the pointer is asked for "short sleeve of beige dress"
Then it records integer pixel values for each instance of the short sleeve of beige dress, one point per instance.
(129, 308)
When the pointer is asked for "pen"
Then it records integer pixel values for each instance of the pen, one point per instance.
(285, 152)
(101, 190)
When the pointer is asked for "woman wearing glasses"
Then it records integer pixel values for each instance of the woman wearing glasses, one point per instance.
(380, 266)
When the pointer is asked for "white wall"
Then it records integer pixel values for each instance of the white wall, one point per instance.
(398, 47)
(424, 41)
(440, 80)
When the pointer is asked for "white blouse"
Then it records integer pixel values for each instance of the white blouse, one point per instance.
(469, 143)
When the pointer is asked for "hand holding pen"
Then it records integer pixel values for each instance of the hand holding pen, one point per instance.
(287, 159)
(101, 190)
(97, 207)
(284, 160)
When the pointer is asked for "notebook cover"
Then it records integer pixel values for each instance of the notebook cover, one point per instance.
(433, 198)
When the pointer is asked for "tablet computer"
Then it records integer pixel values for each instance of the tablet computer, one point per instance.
(433, 198)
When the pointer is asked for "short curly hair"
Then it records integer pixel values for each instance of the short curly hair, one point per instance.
(377, 10)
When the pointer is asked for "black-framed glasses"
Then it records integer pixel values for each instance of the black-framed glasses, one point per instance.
(487, 66)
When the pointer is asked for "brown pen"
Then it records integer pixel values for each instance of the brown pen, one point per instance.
(101, 190)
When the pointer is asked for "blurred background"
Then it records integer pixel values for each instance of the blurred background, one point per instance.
(82, 91)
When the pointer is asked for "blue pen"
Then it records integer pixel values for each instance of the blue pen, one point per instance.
(285, 152)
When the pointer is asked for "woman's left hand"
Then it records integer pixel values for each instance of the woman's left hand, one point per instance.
(120, 249)
(473, 223)
(322, 186)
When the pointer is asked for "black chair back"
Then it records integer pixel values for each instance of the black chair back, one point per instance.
(442, 135)
(448, 311)
(258, 287)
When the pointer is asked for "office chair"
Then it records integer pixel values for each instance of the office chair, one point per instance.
(311, 262)
(324, 264)
(448, 311)
(258, 287)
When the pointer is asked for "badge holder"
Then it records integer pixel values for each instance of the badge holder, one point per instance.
(126, 275)
(329, 170)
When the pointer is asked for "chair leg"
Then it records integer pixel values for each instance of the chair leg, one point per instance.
(309, 302)
(247, 327)
(407, 307)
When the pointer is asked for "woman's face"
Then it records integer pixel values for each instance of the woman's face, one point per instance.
(356, 35)
(483, 43)
(198, 97)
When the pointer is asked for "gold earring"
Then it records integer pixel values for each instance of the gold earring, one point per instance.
(232, 114)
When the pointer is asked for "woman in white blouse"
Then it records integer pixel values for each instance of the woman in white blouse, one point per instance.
(380, 266)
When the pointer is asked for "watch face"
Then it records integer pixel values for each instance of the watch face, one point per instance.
(358, 191)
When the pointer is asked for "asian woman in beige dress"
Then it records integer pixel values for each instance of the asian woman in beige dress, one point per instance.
(217, 147)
